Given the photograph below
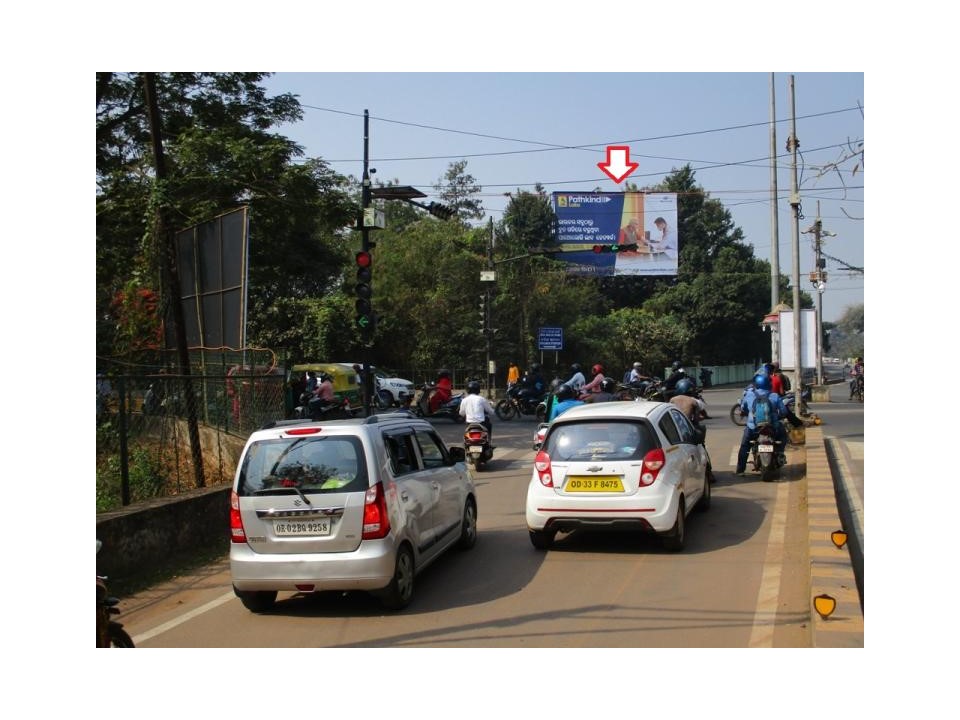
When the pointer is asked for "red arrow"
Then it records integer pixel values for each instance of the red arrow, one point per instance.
(618, 165)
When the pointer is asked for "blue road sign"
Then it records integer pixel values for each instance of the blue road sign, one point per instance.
(550, 338)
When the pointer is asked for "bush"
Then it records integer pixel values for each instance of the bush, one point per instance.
(148, 478)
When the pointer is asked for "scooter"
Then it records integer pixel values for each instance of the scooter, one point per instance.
(110, 633)
(767, 453)
(450, 409)
(476, 443)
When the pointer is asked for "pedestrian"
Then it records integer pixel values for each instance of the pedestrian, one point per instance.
(513, 375)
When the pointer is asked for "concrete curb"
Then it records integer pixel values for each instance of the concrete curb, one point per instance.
(831, 569)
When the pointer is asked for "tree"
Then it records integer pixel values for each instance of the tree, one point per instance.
(458, 190)
(220, 155)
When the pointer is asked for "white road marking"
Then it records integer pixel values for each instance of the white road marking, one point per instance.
(226, 597)
(765, 617)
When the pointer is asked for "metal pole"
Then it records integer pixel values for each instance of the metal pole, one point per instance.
(368, 384)
(818, 228)
(487, 330)
(774, 224)
(792, 145)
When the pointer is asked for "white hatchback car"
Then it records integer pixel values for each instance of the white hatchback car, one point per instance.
(618, 466)
(360, 504)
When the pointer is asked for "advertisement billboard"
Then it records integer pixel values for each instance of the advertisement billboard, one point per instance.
(621, 233)
(808, 340)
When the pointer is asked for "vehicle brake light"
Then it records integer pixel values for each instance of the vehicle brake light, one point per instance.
(303, 431)
(376, 523)
(653, 462)
(237, 533)
(475, 436)
(541, 464)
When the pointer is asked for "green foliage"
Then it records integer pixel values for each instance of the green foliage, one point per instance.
(147, 477)
(458, 189)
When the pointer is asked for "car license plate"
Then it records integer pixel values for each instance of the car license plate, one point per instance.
(594, 483)
(299, 528)
(766, 448)
(476, 448)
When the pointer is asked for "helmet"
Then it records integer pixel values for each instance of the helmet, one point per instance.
(676, 365)
(769, 368)
(685, 386)
(473, 387)
(761, 382)
(565, 392)
(637, 365)
(443, 374)
(535, 367)
(324, 377)
(575, 368)
(608, 385)
(597, 369)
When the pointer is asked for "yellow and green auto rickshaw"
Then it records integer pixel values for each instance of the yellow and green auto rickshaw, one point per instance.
(343, 377)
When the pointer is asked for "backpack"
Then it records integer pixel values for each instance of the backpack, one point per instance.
(762, 409)
(786, 382)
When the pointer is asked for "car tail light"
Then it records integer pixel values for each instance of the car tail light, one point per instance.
(303, 431)
(541, 464)
(237, 533)
(376, 524)
(653, 462)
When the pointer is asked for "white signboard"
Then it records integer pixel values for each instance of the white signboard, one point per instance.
(808, 339)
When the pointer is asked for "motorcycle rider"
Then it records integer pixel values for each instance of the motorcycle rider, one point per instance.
(760, 388)
(857, 371)
(593, 386)
(577, 380)
(532, 386)
(670, 384)
(691, 409)
(566, 399)
(606, 393)
(475, 408)
(636, 376)
(443, 391)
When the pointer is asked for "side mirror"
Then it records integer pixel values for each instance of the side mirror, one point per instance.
(457, 454)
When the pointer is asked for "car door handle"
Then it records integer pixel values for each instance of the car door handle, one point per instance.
(404, 496)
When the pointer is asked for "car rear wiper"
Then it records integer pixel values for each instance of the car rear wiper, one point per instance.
(283, 491)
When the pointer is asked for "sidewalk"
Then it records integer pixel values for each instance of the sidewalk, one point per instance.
(831, 568)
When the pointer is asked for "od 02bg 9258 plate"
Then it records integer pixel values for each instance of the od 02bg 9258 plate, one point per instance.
(594, 483)
(294, 528)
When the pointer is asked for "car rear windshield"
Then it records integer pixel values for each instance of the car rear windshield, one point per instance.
(600, 440)
(316, 465)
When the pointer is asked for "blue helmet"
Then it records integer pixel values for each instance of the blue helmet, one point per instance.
(762, 382)
(685, 386)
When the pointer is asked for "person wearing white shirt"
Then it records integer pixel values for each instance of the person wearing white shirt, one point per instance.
(477, 409)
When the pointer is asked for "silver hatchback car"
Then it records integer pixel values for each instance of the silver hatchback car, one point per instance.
(361, 504)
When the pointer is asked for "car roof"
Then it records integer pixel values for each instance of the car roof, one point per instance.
(384, 419)
(613, 410)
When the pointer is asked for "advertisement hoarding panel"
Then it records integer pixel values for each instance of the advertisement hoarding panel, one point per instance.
(613, 220)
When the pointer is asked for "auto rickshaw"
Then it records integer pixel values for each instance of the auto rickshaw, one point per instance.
(343, 377)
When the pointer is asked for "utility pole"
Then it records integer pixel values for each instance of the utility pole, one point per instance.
(488, 331)
(792, 144)
(774, 224)
(819, 280)
(366, 333)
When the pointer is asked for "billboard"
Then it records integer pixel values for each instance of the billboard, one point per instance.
(212, 263)
(625, 233)
(808, 339)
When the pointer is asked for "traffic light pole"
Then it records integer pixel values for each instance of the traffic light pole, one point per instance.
(368, 384)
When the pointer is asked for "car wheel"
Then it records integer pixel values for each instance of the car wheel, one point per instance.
(468, 528)
(703, 504)
(505, 410)
(256, 601)
(677, 537)
(399, 592)
(542, 539)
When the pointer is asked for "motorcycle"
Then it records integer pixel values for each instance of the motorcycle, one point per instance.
(316, 409)
(476, 443)
(110, 633)
(515, 404)
(767, 453)
(450, 409)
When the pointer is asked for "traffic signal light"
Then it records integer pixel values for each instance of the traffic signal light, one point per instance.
(614, 248)
(483, 312)
(366, 320)
(440, 210)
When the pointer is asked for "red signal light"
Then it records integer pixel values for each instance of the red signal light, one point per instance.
(363, 259)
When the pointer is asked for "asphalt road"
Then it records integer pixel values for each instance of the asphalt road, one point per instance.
(741, 582)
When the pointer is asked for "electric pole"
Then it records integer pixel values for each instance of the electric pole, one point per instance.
(792, 145)
(774, 224)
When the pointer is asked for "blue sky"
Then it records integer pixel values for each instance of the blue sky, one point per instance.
(508, 126)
